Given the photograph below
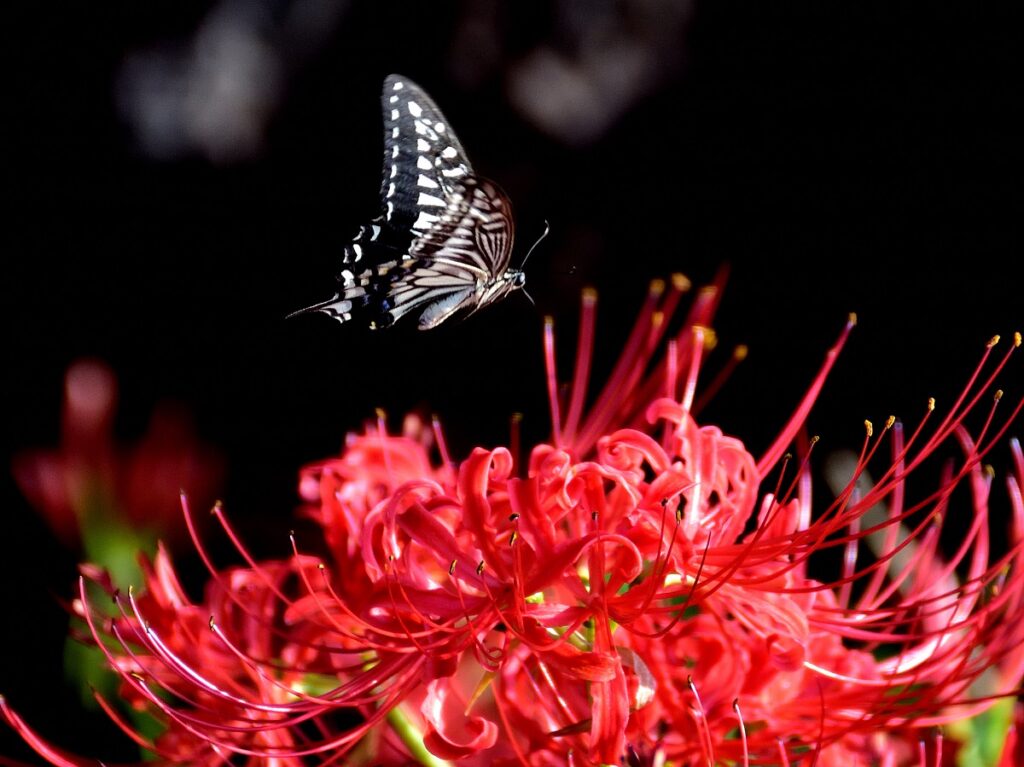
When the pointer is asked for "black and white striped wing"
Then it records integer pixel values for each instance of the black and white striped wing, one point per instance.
(446, 270)
(423, 164)
(467, 250)
(443, 239)
(475, 232)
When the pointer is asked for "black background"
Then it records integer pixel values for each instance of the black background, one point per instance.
(840, 158)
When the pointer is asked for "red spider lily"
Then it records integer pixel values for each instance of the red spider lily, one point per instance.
(89, 480)
(639, 590)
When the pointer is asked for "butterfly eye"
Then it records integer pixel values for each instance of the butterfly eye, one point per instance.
(518, 279)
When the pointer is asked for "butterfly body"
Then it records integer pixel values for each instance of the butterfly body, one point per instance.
(442, 242)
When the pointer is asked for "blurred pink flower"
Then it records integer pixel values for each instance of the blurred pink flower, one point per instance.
(90, 479)
(637, 590)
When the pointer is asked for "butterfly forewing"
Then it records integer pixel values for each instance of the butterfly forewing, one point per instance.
(423, 159)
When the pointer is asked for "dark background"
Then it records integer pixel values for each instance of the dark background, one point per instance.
(848, 158)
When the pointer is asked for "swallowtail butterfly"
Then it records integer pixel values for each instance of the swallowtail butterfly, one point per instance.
(442, 242)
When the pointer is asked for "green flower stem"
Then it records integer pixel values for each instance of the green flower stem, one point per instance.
(413, 739)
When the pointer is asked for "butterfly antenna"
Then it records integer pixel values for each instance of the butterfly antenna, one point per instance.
(529, 297)
(547, 230)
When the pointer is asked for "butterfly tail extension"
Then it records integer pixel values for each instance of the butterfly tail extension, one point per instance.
(340, 307)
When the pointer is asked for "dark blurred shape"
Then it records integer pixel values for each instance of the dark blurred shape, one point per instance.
(215, 94)
(604, 59)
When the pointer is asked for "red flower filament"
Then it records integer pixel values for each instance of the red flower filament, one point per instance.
(638, 590)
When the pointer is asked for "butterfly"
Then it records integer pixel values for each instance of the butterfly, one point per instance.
(442, 242)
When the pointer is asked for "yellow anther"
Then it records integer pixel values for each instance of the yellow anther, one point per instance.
(681, 282)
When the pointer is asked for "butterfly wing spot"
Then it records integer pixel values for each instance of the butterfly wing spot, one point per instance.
(429, 199)
(425, 221)
(414, 109)
(423, 128)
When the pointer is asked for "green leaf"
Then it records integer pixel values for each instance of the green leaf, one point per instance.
(982, 737)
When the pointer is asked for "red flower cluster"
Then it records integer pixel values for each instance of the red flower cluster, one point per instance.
(638, 591)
